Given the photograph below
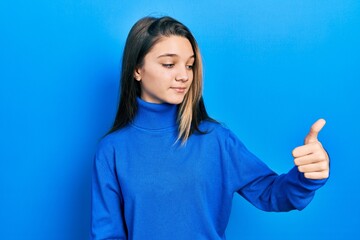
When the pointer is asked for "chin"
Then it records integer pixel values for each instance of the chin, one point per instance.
(175, 100)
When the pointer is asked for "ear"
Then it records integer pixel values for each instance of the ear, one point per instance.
(137, 74)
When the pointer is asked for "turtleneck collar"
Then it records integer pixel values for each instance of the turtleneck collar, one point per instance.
(155, 116)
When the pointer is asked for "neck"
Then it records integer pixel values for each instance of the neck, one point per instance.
(155, 116)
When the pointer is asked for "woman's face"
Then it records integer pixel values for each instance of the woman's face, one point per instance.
(167, 72)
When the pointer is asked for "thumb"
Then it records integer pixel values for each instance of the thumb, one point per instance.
(314, 131)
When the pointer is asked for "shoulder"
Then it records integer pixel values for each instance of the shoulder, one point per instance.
(107, 149)
(213, 131)
(221, 132)
(213, 127)
(111, 141)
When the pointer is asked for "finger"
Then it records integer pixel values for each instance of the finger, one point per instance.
(310, 159)
(306, 149)
(317, 175)
(314, 131)
(315, 167)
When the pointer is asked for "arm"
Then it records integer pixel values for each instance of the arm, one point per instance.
(268, 191)
(107, 218)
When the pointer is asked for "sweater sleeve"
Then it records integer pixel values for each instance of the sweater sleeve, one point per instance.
(262, 187)
(107, 217)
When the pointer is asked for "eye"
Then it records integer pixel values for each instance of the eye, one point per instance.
(168, 65)
(190, 67)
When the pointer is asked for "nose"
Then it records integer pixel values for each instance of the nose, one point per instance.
(182, 74)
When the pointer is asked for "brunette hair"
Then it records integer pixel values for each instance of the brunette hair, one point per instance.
(142, 37)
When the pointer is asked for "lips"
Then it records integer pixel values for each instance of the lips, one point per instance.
(179, 89)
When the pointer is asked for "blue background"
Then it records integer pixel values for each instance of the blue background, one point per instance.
(271, 69)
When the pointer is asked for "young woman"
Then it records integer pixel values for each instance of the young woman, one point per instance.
(166, 170)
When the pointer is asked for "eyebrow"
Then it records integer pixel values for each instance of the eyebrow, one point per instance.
(172, 55)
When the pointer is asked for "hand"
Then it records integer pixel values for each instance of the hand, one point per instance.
(311, 158)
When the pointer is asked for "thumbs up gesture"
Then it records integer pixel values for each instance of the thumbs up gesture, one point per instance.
(311, 158)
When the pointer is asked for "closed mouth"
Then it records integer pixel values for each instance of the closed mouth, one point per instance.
(179, 89)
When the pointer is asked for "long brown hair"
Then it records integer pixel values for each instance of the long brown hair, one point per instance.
(142, 37)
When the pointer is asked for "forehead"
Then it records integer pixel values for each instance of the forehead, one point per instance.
(176, 45)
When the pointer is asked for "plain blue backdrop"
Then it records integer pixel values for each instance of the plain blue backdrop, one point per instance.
(271, 69)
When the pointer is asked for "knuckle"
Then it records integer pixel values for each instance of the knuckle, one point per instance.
(322, 166)
(325, 166)
(307, 175)
(319, 145)
(297, 162)
(321, 156)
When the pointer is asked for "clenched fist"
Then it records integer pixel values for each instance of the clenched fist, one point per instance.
(311, 158)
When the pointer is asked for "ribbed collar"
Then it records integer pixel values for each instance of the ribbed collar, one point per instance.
(154, 116)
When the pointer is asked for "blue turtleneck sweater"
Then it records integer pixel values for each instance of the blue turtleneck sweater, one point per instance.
(148, 186)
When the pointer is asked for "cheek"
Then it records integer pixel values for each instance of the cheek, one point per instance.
(191, 77)
(157, 80)
(158, 74)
